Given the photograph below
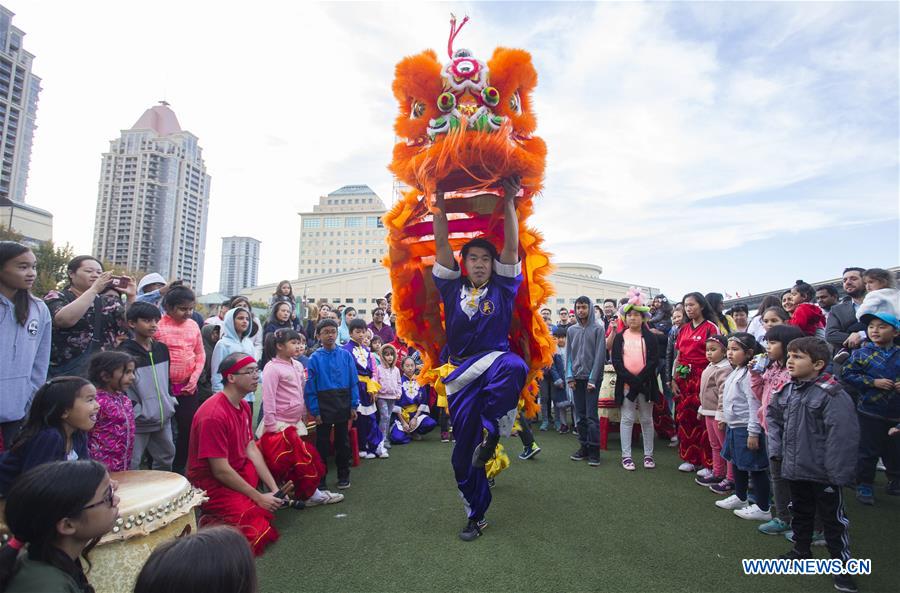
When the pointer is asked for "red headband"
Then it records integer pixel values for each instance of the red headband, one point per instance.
(238, 366)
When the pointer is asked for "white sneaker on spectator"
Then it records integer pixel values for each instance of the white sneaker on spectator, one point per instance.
(381, 452)
(880, 465)
(686, 467)
(367, 455)
(731, 503)
(704, 473)
(753, 513)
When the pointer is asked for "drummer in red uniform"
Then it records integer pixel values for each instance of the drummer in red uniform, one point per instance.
(224, 461)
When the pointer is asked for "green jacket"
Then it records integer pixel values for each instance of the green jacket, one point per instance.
(34, 576)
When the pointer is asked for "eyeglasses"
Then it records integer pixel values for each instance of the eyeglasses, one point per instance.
(248, 372)
(107, 499)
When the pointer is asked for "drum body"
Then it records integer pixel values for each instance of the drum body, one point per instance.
(154, 507)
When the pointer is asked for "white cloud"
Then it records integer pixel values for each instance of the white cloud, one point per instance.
(652, 112)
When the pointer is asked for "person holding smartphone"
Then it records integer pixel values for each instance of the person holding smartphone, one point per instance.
(86, 317)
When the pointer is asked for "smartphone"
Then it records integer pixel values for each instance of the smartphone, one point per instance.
(119, 282)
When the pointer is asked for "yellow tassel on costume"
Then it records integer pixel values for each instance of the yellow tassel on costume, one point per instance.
(497, 463)
(436, 378)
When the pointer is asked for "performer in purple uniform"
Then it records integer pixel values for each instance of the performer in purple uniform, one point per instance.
(371, 440)
(483, 391)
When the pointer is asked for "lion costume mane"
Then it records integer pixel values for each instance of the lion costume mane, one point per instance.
(462, 128)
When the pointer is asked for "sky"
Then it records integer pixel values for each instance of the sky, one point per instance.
(732, 147)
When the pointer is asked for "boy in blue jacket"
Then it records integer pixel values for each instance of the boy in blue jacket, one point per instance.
(332, 396)
(874, 371)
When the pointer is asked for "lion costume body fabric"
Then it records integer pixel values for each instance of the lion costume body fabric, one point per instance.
(462, 128)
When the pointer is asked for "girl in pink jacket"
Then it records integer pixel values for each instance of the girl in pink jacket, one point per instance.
(768, 374)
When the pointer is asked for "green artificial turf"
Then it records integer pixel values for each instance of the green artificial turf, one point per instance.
(554, 525)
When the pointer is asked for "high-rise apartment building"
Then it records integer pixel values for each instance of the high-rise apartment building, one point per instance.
(344, 232)
(153, 199)
(240, 264)
(19, 90)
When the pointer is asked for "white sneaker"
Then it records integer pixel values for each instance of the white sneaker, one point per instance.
(686, 467)
(324, 497)
(704, 473)
(368, 455)
(731, 503)
(381, 453)
(753, 513)
(880, 465)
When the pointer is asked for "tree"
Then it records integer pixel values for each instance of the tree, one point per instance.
(51, 267)
(10, 234)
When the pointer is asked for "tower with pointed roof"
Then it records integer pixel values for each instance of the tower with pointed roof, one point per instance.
(153, 199)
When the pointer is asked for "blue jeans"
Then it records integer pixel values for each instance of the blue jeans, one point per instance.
(587, 416)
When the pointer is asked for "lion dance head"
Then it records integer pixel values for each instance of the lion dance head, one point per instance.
(462, 127)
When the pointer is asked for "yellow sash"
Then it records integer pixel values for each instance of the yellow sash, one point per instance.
(372, 386)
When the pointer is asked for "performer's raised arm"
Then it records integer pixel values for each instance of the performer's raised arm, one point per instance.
(443, 253)
(510, 253)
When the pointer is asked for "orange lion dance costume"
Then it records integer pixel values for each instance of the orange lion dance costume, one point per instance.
(463, 127)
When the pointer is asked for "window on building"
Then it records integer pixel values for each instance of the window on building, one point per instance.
(372, 222)
(349, 300)
(332, 222)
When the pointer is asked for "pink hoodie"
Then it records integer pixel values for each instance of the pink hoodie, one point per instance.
(389, 379)
(282, 393)
(764, 384)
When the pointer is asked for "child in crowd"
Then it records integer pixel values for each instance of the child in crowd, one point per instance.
(62, 412)
(412, 408)
(712, 386)
(210, 560)
(255, 332)
(375, 345)
(284, 422)
(111, 441)
(769, 374)
(585, 359)
(348, 314)
(745, 446)
(149, 392)
(210, 335)
(812, 432)
(186, 357)
(332, 395)
(560, 393)
(389, 393)
(806, 313)
(671, 352)
(302, 358)
(235, 338)
(635, 356)
(371, 439)
(59, 510)
(881, 295)
(756, 327)
(874, 370)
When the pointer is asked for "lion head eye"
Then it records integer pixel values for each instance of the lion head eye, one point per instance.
(446, 102)
(417, 110)
(515, 104)
(490, 96)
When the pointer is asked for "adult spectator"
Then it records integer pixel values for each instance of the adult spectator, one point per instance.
(826, 297)
(547, 316)
(380, 328)
(151, 288)
(717, 303)
(564, 320)
(740, 313)
(219, 317)
(223, 458)
(25, 333)
(88, 315)
(610, 308)
(843, 315)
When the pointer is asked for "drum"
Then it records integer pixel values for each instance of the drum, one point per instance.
(607, 397)
(154, 506)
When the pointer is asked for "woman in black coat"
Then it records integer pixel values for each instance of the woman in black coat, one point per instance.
(635, 357)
